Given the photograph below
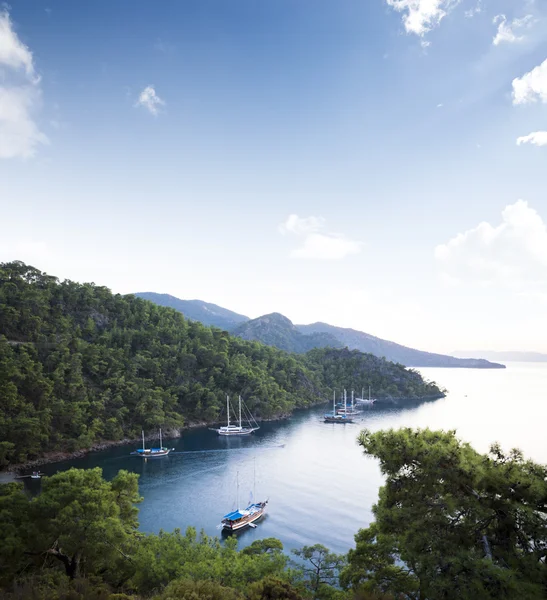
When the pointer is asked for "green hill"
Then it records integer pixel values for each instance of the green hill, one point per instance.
(80, 365)
(276, 330)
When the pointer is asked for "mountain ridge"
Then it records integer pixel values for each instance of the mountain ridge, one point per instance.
(410, 357)
(282, 333)
(197, 310)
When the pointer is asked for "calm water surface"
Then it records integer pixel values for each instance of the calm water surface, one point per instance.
(321, 487)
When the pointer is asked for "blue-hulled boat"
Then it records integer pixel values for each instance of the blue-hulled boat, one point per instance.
(246, 517)
(238, 519)
(334, 416)
(145, 452)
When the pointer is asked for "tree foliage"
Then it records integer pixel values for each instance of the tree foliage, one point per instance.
(78, 521)
(80, 535)
(452, 523)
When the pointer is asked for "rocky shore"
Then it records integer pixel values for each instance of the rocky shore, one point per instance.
(59, 455)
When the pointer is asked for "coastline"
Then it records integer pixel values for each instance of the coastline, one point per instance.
(60, 455)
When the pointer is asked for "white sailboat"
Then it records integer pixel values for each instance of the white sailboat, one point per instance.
(348, 411)
(363, 400)
(229, 429)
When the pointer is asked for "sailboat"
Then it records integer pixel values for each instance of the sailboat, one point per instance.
(246, 517)
(235, 429)
(348, 412)
(335, 417)
(363, 400)
(152, 452)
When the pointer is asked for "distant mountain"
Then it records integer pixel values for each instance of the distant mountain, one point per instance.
(508, 355)
(357, 340)
(276, 330)
(197, 310)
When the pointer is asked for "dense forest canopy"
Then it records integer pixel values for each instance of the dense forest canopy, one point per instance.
(80, 365)
(450, 524)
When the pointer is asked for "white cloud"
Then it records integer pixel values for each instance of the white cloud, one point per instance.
(317, 245)
(531, 86)
(20, 95)
(295, 224)
(150, 100)
(422, 15)
(13, 53)
(538, 138)
(506, 31)
(326, 247)
(19, 134)
(513, 253)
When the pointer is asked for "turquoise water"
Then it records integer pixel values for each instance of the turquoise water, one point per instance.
(320, 486)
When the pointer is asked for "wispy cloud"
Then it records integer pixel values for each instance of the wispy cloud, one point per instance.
(316, 244)
(531, 86)
(477, 9)
(512, 253)
(20, 95)
(150, 100)
(422, 16)
(508, 32)
(538, 138)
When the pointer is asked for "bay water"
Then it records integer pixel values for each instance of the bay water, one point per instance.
(320, 486)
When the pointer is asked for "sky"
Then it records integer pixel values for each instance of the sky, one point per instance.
(374, 164)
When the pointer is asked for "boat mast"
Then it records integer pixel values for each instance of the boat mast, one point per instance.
(240, 412)
(143, 446)
(345, 401)
(352, 400)
(161, 445)
(334, 404)
(237, 492)
(228, 409)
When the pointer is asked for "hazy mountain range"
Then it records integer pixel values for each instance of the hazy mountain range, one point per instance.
(505, 355)
(197, 310)
(277, 330)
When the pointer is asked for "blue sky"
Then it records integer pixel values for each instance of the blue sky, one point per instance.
(354, 162)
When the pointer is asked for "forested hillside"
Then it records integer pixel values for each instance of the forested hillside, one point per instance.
(352, 369)
(79, 365)
(276, 330)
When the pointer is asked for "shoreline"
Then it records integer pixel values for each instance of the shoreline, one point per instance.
(60, 455)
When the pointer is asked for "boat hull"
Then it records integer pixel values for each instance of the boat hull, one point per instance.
(160, 454)
(339, 419)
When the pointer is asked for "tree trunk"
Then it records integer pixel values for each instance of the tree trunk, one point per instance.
(71, 565)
